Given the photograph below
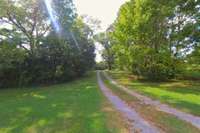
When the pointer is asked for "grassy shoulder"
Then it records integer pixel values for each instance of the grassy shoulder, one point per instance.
(78, 106)
(164, 121)
(182, 94)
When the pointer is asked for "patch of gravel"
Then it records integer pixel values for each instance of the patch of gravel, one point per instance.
(194, 120)
(138, 123)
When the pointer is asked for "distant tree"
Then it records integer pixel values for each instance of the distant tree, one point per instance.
(108, 55)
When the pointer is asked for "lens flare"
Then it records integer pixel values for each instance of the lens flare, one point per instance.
(55, 23)
(51, 13)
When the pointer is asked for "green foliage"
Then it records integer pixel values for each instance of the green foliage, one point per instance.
(194, 57)
(33, 51)
(11, 59)
(151, 38)
(28, 19)
(191, 72)
(100, 66)
(153, 65)
(108, 55)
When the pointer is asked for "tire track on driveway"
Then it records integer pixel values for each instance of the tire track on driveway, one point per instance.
(138, 123)
(194, 120)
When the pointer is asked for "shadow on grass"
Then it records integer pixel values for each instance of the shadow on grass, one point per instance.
(185, 90)
(184, 95)
(187, 105)
(73, 107)
(183, 105)
(181, 88)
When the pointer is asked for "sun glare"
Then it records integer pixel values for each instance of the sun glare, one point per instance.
(51, 12)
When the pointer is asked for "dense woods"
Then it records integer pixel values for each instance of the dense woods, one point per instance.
(157, 40)
(42, 42)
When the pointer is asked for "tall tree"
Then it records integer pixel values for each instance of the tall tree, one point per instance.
(27, 17)
(142, 35)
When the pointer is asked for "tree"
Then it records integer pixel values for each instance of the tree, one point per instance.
(27, 17)
(105, 41)
(143, 39)
(184, 27)
(43, 42)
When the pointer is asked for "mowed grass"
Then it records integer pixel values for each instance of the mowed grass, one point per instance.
(182, 94)
(76, 107)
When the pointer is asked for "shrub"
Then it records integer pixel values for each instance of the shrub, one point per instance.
(154, 65)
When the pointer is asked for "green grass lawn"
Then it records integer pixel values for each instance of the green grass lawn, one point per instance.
(76, 107)
(184, 94)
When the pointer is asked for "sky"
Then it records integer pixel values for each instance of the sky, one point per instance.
(103, 10)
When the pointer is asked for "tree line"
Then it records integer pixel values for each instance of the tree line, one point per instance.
(43, 42)
(154, 39)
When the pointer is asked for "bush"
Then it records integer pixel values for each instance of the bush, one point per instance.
(154, 65)
(11, 60)
(55, 60)
(100, 66)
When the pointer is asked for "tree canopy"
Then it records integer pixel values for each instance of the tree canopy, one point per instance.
(154, 38)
